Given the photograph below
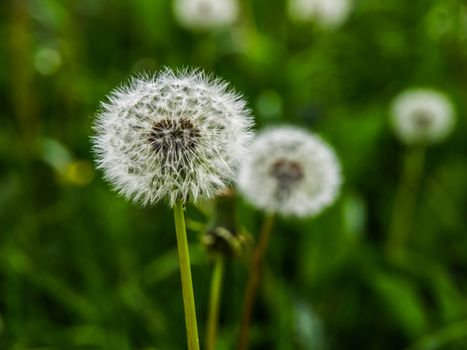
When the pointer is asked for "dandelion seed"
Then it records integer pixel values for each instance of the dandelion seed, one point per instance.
(290, 172)
(327, 13)
(176, 136)
(205, 14)
(422, 116)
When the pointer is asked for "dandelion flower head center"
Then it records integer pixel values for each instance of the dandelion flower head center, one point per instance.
(204, 7)
(287, 172)
(170, 137)
(422, 118)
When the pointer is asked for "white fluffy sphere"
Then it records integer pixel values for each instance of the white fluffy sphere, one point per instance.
(328, 13)
(290, 172)
(173, 137)
(205, 14)
(422, 116)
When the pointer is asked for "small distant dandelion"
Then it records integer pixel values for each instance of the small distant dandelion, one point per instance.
(205, 14)
(173, 137)
(328, 13)
(422, 116)
(290, 172)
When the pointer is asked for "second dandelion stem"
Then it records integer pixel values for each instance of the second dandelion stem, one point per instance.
(214, 301)
(404, 204)
(185, 273)
(253, 280)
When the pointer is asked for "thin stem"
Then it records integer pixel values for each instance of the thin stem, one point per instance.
(214, 299)
(253, 280)
(23, 101)
(248, 15)
(185, 273)
(404, 204)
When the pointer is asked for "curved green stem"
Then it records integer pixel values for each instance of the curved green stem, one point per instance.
(214, 299)
(404, 204)
(185, 273)
(253, 280)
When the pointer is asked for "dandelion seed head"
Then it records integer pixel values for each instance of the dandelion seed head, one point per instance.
(290, 172)
(422, 116)
(205, 14)
(173, 136)
(327, 13)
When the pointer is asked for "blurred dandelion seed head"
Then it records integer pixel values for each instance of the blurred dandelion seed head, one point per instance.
(327, 13)
(291, 172)
(422, 116)
(174, 136)
(205, 14)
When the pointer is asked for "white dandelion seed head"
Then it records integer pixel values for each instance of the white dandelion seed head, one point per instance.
(327, 13)
(205, 14)
(422, 116)
(290, 172)
(174, 136)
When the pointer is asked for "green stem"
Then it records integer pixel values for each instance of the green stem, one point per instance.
(253, 280)
(404, 204)
(187, 284)
(22, 85)
(248, 15)
(214, 299)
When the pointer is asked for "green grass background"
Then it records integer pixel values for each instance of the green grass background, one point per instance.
(81, 268)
